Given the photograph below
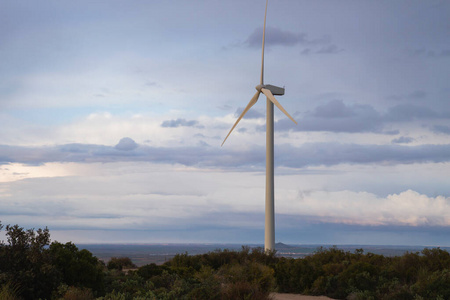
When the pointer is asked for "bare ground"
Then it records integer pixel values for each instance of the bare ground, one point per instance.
(280, 296)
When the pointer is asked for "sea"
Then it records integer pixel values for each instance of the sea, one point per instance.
(143, 254)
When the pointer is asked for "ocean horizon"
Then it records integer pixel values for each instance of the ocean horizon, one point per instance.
(145, 253)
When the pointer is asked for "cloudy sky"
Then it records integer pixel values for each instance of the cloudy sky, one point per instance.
(112, 114)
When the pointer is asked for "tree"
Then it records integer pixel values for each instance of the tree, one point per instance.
(78, 268)
(25, 262)
(119, 263)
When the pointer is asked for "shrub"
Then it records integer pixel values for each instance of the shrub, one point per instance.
(120, 263)
(74, 293)
(9, 291)
(246, 281)
(78, 268)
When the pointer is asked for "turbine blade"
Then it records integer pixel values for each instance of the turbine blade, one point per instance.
(263, 45)
(249, 105)
(270, 96)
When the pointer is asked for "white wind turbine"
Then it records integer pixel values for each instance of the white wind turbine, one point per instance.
(269, 91)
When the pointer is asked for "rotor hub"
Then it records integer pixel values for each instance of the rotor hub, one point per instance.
(259, 87)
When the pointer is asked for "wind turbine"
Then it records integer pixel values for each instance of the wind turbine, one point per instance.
(269, 91)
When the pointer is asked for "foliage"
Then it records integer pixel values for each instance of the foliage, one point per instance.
(344, 275)
(78, 268)
(250, 280)
(25, 262)
(119, 263)
(216, 275)
(37, 268)
(9, 291)
(150, 270)
(73, 293)
(32, 268)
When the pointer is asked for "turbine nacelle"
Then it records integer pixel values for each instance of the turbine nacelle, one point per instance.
(276, 91)
(269, 91)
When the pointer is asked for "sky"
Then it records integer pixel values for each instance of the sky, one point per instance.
(112, 116)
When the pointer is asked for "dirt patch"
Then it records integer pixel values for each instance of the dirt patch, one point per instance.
(279, 296)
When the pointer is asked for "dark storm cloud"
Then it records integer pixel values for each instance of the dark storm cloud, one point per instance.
(180, 123)
(251, 114)
(431, 53)
(312, 154)
(403, 140)
(330, 49)
(336, 116)
(306, 51)
(334, 153)
(441, 129)
(415, 95)
(275, 36)
(410, 112)
(279, 37)
(333, 109)
(126, 144)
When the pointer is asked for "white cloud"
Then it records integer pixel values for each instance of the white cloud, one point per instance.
(16, 171)
(407, 208)
(125, 196)
(146, 196)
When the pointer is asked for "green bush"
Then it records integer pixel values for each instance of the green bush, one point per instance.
(25, 261)
(120, 263)
(78, 268)
(250, 280)
(74, 293)
(9, 291)
(39, 269)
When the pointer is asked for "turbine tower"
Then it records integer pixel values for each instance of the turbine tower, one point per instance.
(269, 91)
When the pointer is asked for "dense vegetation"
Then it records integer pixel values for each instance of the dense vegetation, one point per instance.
(32, 268)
